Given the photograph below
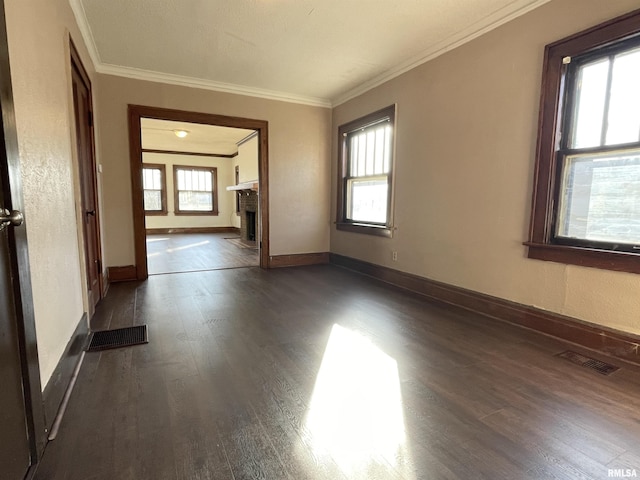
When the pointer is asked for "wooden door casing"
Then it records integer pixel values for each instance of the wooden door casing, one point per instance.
(83, 111)
(22, 425)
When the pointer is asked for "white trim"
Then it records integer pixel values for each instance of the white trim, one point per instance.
(472, 32)
(85, 31)
(492, 21)
(180, 80)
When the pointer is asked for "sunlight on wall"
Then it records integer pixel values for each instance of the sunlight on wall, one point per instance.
(355, 414)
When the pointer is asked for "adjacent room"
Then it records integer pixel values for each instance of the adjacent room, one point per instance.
(201, 196)
(324, 240)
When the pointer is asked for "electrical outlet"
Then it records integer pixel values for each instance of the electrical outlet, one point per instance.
(394, 256)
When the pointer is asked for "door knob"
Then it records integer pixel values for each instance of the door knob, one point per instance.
(13, 218)
(91, 212)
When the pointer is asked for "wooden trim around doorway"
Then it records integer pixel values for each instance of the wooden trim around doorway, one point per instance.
(122, 274)
(136, 113)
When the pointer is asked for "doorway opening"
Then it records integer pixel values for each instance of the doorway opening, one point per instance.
(194, 177)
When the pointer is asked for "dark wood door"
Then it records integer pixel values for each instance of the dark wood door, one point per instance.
(15, 450)
(86, 161)
(14, 443)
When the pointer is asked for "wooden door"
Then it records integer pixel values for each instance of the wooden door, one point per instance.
(88, 182)
(15, 446)
(14, 443)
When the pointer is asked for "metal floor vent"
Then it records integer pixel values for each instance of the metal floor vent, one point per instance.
(119, 337)
(592, 363)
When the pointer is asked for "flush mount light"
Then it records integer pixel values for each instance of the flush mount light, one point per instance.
(181, 133)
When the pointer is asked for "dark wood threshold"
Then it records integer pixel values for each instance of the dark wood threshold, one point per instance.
(59, 381)
(602, 339)
(165, 231)
(298, 260)
(122, 274)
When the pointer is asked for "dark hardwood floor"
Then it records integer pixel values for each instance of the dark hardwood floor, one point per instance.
(319, 373)
(193, 252)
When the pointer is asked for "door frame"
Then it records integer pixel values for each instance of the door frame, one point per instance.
(23, 294)
(136, 113)
(76, 63)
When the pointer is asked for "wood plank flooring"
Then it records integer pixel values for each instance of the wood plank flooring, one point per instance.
(320, 373)
(193, 252)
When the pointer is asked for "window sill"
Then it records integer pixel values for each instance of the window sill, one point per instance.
(377, 230)
(211, 214)
(586, 257)
(154, 213)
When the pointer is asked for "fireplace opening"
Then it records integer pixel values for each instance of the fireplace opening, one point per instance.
(251, 225)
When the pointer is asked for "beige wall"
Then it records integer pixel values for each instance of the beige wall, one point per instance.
(225, 177)
(247, 161)
(38, 35)
(299, 161)
(466, 134)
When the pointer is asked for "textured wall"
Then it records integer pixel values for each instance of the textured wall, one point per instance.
(299, 163)
(38, 33)
(465, 145)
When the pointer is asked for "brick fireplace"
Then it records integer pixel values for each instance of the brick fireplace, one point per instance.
(249, 215)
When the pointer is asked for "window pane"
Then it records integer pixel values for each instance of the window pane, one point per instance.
(371, 150)
(146, 178)
(151, 179)
(379, 160)
(387, 149)
(367, 200)
(601, 198)
(590, 97)
(362, 155)
(152, 200)
(624, 107)
(353, 149)
(195, 201)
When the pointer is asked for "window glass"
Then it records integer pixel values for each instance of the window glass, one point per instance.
(365, 174)
(368, 182)
(590, 99)
(194, 189)
(601, 198)
(623, 122)
(152, 184)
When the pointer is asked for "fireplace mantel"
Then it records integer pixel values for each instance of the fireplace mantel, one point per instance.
(244, 187)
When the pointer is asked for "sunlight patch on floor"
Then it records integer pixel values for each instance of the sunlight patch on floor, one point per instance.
(355, 414)
(184, 247)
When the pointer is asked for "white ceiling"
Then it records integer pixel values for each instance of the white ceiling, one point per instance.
(159, 135)
(319, 52)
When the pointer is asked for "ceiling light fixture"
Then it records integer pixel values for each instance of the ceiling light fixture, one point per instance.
(181, 133)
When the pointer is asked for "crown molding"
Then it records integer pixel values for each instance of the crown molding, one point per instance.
(140, 74)
(491, 22)
(85, 31)
(183, 81)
